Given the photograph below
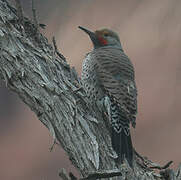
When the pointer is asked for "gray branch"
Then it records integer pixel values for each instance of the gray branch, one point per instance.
(44, 81)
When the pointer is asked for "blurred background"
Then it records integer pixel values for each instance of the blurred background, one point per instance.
(150, 32)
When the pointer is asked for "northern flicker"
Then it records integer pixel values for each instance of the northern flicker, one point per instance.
(108, 77)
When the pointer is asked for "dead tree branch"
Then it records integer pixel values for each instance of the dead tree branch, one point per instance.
(43, 80)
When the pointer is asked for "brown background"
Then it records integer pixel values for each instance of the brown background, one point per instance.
(150, 32)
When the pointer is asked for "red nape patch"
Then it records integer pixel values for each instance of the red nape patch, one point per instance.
(102, 41)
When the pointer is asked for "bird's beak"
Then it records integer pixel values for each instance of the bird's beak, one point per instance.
(92, 36)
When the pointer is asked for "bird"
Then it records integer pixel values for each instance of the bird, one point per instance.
(108, 77)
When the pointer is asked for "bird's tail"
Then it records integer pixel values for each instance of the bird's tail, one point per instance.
(122, 144)
(120, 135)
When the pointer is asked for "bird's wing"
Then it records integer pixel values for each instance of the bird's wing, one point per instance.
(116, 75)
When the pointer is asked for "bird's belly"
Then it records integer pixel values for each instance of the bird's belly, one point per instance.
(92, 87)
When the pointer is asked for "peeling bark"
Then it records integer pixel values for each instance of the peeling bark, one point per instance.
(44, 81)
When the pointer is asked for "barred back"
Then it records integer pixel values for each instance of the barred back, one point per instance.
(108, 71)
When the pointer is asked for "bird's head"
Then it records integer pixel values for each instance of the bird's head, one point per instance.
(103, 37)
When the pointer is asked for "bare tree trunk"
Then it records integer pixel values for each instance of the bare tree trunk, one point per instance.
(41, 77)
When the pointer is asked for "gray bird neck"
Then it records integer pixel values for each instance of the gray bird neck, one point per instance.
(110, 46)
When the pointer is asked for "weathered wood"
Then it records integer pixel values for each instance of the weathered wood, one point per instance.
(41, 77)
